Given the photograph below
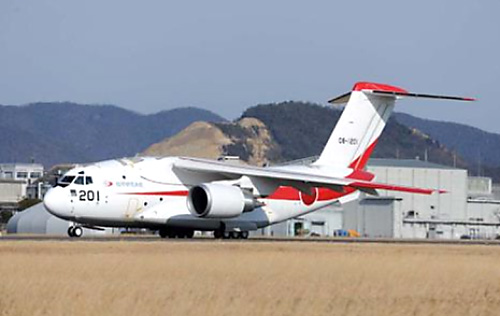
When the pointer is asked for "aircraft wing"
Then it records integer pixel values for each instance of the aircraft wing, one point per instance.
(301, 181)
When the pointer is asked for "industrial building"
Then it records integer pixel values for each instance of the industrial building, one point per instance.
(16, 178)
(19, 181)
(406, 215)
(36, 220)
(469, 208)
(21, 171)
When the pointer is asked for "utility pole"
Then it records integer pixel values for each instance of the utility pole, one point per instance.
(478, 162)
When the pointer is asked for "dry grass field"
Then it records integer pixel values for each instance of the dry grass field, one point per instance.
(247, 278)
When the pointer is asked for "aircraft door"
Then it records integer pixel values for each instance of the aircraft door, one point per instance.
(132, 208)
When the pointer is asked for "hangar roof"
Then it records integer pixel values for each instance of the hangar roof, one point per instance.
(385, 162)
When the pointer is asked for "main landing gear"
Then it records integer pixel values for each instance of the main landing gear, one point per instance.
(75, 231)
(219, 234)
(176, 233)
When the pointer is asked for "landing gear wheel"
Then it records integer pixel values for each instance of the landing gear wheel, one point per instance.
(77, 232)
(244, 235)
(171, 233)
(70, 231)
(226, 235)
(189, 233)
(163, 233)
(234, 235)
(217, 234)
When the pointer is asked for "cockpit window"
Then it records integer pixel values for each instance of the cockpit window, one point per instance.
(79, 180)
(65, 181)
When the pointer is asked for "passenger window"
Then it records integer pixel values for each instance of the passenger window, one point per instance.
(79, 180)
(88, 180)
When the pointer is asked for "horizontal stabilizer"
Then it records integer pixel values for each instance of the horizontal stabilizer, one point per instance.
(341, 99)
(384, 90)
(419, 95)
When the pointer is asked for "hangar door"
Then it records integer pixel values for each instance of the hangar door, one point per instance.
(377, 218)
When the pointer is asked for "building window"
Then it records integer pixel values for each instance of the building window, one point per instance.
(35, 175)
(8, 174)
(22, 175)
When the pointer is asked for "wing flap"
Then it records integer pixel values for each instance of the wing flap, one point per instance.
(363, 185)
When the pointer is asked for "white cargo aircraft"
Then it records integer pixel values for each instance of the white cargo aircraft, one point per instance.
(178, 195)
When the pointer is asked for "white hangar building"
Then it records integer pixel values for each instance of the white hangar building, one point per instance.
(37, 220)
(467, 210)
(407, 215)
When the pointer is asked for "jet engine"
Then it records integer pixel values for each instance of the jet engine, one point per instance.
(215, 200)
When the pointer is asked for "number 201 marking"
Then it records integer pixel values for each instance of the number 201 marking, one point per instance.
(88, 195)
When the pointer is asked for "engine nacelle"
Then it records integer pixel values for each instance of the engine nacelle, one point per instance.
(214, 200)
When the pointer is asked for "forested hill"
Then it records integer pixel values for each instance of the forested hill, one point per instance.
(475, 145)
(53, 133)
(302, 129)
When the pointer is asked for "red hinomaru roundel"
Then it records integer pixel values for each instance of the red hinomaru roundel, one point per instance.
(309, 199)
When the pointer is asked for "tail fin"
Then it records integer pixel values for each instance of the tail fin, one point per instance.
(368, 108)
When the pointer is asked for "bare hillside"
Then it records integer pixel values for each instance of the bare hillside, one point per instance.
(200, 139)
(247, 138)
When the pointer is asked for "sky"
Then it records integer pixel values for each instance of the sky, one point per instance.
(226, 56)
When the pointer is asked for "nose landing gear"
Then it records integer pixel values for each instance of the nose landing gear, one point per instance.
(75, 231)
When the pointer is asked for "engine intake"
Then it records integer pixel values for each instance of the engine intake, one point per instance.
(214, 200)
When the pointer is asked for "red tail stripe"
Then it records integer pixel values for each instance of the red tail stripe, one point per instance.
(361, 175)
(361, 161)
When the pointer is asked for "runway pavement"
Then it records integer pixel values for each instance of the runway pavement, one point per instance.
(155, 238)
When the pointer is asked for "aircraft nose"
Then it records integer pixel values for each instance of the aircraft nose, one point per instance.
(55, 202)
